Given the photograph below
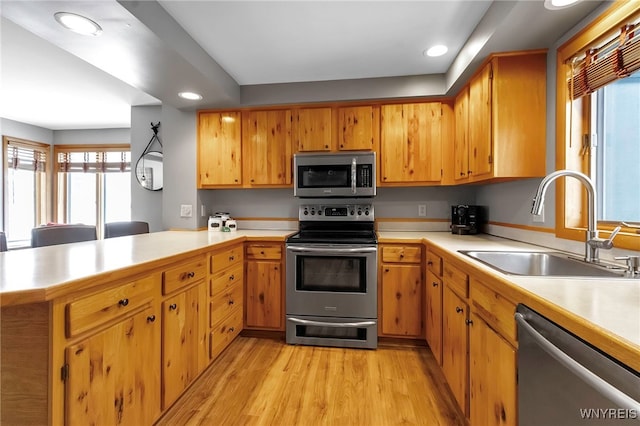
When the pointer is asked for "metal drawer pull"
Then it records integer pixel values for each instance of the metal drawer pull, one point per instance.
(617, 397)
(191, 274)
(231, 329)
(435, 284)
(123, 302)
(332, 324)
(151, 318)
(232, 277)
(231, 301)
(459, 309)
(173, 307)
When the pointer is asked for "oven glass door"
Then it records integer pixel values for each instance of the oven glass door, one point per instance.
(331, 273)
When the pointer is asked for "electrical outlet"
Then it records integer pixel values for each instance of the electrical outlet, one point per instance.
(422, 210)
(185, 210)
(202, 212)
(540, 217)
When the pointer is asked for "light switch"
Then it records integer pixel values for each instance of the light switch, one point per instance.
(185, 210)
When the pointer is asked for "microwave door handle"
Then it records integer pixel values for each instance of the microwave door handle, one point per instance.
(353, 174)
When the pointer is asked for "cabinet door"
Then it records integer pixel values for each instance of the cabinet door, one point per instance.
(179, 342)
(461, 138)
(266, 144)
(480, 138)
(219, 149)
(401, 300)
(313, 129)
(493, 376)
(455, 346)
(356, 128)
(410, 144)
(264, 295)
(433, 315)
(114, 375)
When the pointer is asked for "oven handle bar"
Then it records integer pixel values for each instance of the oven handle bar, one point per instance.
(332, 250)
(603, 387)
(332, 324)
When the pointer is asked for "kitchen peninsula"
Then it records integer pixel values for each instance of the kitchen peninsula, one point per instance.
(131, 320)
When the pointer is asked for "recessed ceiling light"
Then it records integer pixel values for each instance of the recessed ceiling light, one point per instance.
(437, 50)
(78, 23)
(559, 4)
(190, 96)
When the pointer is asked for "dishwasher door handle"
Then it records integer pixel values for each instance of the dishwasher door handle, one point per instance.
(616, 396)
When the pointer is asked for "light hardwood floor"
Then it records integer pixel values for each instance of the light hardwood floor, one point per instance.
(260, 381)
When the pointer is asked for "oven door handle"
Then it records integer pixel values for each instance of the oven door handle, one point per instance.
(333, 324)
(361, 250)
(353, 174)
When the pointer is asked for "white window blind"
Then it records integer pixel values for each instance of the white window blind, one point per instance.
(617, 58)
(26, 157)
(93, 161)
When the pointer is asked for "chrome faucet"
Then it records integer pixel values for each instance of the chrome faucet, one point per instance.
(592, 242)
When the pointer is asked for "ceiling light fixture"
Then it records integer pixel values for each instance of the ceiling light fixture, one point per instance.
(78, 23)
(437, 50)
(190, 96)
(559, 4)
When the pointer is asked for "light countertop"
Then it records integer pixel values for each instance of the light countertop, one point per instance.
(33, 275)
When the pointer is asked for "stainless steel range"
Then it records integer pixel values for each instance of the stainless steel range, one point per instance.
(332, 295)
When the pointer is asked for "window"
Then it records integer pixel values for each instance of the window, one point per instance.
(597, 132)
(93, 184)
(25, 192)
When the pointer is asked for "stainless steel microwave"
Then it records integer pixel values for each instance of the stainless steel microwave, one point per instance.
(320, 175)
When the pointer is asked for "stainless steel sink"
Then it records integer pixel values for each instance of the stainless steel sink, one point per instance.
(552, 264)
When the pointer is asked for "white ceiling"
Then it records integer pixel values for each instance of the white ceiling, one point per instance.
(150, 50)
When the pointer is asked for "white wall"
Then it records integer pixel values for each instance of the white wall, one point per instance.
(91, 136)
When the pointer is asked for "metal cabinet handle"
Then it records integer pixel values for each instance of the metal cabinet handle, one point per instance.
(232, 277)
(151, 318)
(617, 397)
(191, 274)
(430, 263)
(469, 322)
(435, 284)
(231, 302)
(231, 329)
(173, 307)
(459, 309)
(123, 302)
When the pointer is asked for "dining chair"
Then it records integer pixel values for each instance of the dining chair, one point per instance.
(3, 241)
(120, 229)
(62, 234)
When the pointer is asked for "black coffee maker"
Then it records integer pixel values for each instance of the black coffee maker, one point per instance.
(466, 219)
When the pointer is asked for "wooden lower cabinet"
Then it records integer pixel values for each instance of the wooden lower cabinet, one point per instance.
(433, 315)
(455, 346)
(401, 300)
(492, 376)
(111, 375)
(183, 350)
(264, 301)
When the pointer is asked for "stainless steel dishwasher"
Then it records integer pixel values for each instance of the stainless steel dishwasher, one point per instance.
(564, 381)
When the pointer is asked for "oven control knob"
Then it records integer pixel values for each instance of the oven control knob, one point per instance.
(313, 212)
(352, 212)
(359, 212)
(319, 212)
(366, 212)
(306, 212)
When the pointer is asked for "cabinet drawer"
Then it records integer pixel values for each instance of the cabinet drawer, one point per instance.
(223, 303)
(405, 254)
(264, 251)
(497, 311)
(224, 333)
(224, 259)
(455, 279)
(225, 279)
(93, 310)
(434, 263)
(183, 274)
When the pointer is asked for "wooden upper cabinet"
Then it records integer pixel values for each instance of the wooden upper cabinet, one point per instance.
(411, 143)
(313, 129)
(507, 117)
(480, 159)
(461, 136)
(266, 147)
(357, 128)
(219, 149)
